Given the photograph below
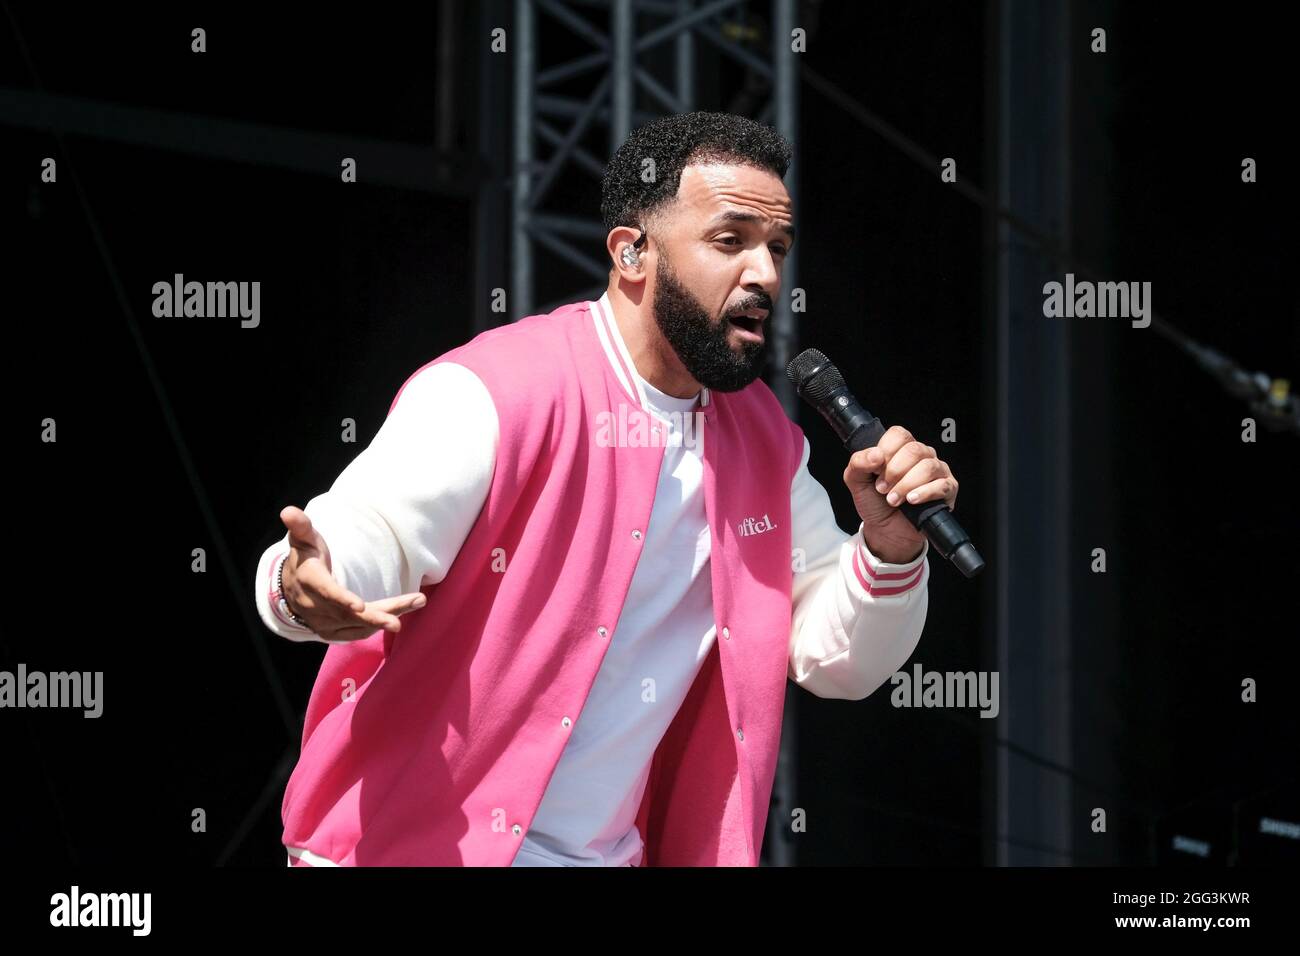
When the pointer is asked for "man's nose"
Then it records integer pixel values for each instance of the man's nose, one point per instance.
(761, 273)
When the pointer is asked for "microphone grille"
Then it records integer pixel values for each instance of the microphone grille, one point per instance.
(814, 376)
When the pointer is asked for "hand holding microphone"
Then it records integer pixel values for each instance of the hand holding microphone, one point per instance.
(897, 469)
(884, 464)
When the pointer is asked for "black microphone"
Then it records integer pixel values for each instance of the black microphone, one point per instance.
(822, 386)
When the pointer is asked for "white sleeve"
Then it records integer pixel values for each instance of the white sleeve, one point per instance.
(397, 515)
(855, 619)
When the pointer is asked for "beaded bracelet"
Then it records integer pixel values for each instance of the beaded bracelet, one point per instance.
(280, 598)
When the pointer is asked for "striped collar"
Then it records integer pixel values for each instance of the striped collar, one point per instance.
(611, 340)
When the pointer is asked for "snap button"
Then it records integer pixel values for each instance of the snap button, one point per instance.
(601, 630)
(726, 634)
(566, 722)
(516, 829)
(740, 733)
(636, 533)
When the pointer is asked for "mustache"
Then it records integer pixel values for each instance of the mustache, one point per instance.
(756, 301)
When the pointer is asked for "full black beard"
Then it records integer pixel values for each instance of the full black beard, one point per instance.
(699, 342)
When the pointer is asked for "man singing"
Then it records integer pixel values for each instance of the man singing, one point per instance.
(564, 586)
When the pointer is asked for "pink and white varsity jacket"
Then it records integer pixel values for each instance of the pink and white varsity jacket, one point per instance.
(441, 748)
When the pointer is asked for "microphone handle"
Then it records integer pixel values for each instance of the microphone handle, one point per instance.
(934, 519)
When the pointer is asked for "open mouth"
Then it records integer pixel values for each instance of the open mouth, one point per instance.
(751, 325)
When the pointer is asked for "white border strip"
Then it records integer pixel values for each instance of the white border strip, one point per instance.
(308, 857)
(612, 339)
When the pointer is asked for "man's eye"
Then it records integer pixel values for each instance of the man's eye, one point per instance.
(779, 249)
(735, 239)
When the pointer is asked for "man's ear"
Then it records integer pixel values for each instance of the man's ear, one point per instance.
(626, 259)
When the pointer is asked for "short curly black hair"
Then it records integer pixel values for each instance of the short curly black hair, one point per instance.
(674, 142)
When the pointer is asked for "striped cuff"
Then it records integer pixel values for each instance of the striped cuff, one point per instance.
(884, 579)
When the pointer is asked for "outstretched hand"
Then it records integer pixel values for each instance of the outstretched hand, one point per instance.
(331, 610)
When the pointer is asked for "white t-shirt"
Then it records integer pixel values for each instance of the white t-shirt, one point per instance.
(588, 813)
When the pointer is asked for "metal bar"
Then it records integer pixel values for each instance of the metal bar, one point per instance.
(543, 183)
(664, 7)
(491, 211)
(567, 107)
(575, 23)
(684, 63)
(564, 71)
(579, 155)
(735, 51)
(785, 108)
(521, 252)
(622, 66)
(669, 30)
(658, 91)
(568, 253)
(785, 99)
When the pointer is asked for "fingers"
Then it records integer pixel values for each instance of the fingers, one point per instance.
(894, 438)
(333, 610)
(358, 632)
(339, 612)
(942, 489)
(868, 461)
(871, 461)
(928, 480)
(910, 470)
(374, 618)
(399, 605)
(904, 462)
(385, 613)
(299, 525)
